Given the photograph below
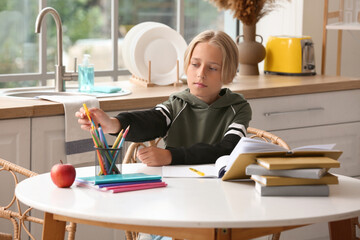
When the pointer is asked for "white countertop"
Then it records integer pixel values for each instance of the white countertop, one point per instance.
(251, 87)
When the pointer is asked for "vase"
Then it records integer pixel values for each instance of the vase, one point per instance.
(251, 52)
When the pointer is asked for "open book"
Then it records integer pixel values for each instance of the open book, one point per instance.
(248, 149)
(233, 166)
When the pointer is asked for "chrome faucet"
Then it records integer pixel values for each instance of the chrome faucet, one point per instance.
(60, 74)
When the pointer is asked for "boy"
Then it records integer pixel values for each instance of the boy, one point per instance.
(199, 124)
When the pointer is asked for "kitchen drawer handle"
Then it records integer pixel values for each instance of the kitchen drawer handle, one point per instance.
(268, 114)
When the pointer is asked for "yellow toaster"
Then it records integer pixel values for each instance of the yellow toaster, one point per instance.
(290, 55)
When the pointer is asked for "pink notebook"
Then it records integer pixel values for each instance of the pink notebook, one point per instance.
(134, 187)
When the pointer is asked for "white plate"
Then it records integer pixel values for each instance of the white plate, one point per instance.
(163, 46)
(128, 40)
(132, 45)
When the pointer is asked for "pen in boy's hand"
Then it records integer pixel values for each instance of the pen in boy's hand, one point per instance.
(197, 171)
(88, 115)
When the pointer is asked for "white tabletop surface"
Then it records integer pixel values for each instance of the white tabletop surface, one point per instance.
(191, 202)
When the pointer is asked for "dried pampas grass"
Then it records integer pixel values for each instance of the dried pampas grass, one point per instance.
(247, 11)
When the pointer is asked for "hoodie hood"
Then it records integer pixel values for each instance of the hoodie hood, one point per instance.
(227, 98)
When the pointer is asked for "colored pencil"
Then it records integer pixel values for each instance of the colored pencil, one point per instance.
(88, 115)
(99, 155)
(102, 136)
(120, 145)
(108, 154)
(124, 136)
(117, 140)
(134, 188)
(107, 160)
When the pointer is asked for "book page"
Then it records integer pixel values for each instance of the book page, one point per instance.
(315, 147)
(249, 145)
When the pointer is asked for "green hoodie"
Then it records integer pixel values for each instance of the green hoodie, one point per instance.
(194, 121)
(194, 132)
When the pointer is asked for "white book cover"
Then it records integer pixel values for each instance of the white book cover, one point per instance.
(299, 190)
(312, 173)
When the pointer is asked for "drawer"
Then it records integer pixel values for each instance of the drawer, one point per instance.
(305, 110)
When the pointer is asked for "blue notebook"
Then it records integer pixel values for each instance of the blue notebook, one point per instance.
(116, 178)
(128, 183)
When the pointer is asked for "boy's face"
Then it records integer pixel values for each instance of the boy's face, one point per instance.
(204, 72)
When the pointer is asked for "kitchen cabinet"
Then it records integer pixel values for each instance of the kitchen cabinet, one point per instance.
(14, 147)
(321, 118)
(348, 18)
(48, 137)
(15, 141)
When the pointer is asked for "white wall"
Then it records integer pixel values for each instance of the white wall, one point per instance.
(305, 17)
(313, 20)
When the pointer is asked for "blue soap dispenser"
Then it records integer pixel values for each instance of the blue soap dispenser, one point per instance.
(86, 75)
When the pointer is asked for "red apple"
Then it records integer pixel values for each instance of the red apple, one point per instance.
(63, 175)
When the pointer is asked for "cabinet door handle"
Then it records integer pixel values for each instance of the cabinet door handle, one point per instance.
(268, 114)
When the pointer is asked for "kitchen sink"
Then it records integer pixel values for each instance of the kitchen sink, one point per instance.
(34, 93)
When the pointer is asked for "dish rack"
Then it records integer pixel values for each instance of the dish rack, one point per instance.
(147, 82)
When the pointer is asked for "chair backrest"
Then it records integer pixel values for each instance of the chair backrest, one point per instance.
(130, 156)
(266, 136)
(19, 217)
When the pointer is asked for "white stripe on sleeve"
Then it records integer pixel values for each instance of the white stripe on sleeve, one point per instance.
(162, 108)
(237, 129)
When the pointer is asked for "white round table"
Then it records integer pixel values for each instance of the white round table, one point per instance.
(190, 203)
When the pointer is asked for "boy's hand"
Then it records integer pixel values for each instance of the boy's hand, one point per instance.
(108, 124)
(154, 156)
(83, 120)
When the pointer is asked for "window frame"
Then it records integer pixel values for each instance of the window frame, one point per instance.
(231, 27)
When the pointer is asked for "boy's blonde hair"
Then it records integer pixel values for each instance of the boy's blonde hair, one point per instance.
(230, 54)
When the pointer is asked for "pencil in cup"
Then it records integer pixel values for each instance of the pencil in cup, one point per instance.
(102, 171)
(104, 158)
(113, 156)
(120, 145)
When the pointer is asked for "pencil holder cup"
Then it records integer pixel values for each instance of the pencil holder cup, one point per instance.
(108, 161)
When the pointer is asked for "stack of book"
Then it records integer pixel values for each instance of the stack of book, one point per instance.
(293, 176)
(117, 183)
(248, 150)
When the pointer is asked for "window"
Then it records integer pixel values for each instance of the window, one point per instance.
(94, 27)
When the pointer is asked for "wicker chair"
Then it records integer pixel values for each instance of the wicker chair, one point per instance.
(130, 157)
(19, 218)
(267, 137)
